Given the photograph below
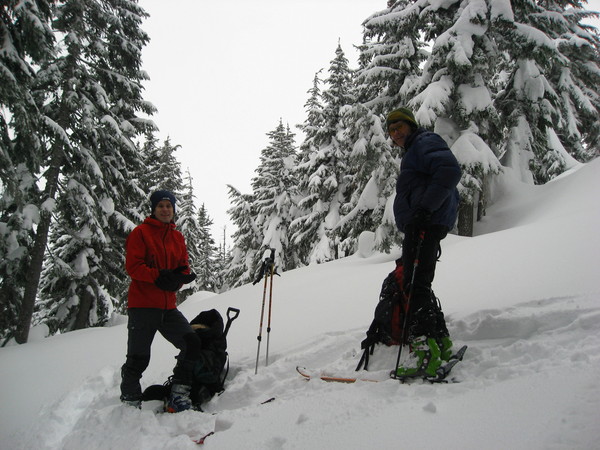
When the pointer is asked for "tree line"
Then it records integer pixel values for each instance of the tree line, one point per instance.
(509, 85)
(77, 161)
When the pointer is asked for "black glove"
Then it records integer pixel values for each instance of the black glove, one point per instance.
(171, 280)
(183, 278)
(421, 219)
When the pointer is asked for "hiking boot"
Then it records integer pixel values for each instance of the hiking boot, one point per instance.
(426, 359)
(179, 399)
(445, 344)
(134, 402)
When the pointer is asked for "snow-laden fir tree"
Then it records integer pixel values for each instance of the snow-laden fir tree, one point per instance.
(90, 97)
(551, 97)
(163, 168)
(210, 267)
(390, 59)
(26, 39)
(274, 192)
(308, 221)
(577, 82)
(247, 239)
(456, 97)
(186, 220)
(372, 172)
(322, 172)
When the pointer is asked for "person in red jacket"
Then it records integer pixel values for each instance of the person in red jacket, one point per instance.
(157, 262)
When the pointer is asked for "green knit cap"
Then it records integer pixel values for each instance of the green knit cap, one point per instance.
(404, 114)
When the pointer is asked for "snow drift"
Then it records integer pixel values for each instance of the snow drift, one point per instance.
(523, 295)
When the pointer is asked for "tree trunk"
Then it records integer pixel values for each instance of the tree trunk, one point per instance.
(83, 313)
(39, 249)
(465, 219)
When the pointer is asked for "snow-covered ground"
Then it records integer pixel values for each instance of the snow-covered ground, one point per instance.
(524, 295)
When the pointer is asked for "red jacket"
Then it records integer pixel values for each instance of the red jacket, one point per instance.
(151, 247)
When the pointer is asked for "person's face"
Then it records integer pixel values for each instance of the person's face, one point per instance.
(399, 132)
(164, 211)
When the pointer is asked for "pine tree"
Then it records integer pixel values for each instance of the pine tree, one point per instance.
(322, 172)
(187, 223)
(274, 189)
(391, 57)
(460, 70)
(550, 95)
(247, 239)
(209, 268)
(390, 61)
(91, 95)
(26, 39)
(166, 169)
(373, 169)
(307, 221)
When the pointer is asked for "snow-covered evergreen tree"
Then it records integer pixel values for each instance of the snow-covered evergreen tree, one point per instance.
(274, 191)
(164, 172)
(90, 95)
(307, 221)
(322, 172)
(187, 223)
(26, 39)
(391, 58)
(548, 95)
(576, 78)
(390, 65)
(209, 272)
(247, 239)
(373, 170)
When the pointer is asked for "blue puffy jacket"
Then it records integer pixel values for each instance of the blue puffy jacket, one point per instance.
(429, 174)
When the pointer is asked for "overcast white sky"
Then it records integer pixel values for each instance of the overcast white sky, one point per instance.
(223, 72)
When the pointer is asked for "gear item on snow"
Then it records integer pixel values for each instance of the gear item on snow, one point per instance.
(445, 344)
(441, 372)
(211, 367)
(179, 400)
(267, 270)
(389, 320)
(329, 378)
(424, 361)
(441, 375)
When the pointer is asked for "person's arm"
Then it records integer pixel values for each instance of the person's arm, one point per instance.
(135, 258)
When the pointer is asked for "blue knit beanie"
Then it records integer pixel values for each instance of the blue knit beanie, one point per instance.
(157, 196)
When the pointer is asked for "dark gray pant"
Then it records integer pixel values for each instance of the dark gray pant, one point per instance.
(142, 327)
(425, 314)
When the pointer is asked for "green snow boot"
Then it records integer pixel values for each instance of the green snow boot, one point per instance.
(425, 361)
(445, 345)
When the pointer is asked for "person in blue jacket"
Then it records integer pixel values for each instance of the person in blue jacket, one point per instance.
(425, 209)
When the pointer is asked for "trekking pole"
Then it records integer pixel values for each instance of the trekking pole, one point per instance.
(271, 272)
(408, 300)
(262, 312)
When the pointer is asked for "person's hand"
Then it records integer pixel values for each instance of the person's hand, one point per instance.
(172, 280)
(181, 277)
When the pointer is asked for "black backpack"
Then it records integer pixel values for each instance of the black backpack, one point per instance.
(211, 370)
(389, 318)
